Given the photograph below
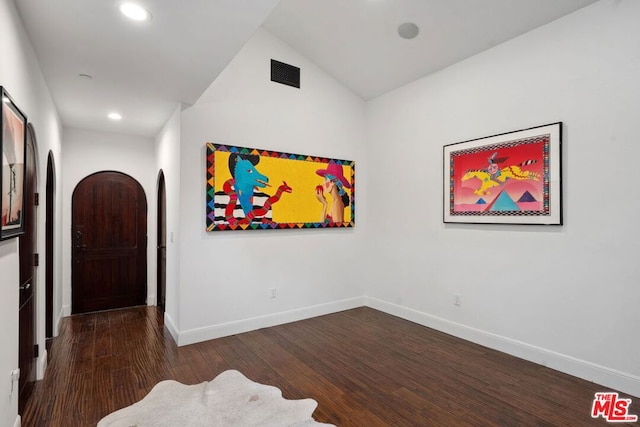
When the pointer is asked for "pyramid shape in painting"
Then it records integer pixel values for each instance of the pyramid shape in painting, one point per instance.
(526, 197)
(503, 202)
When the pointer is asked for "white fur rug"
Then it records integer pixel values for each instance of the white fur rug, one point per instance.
(230, 399)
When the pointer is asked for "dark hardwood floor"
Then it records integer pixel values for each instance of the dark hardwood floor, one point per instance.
(365, 368)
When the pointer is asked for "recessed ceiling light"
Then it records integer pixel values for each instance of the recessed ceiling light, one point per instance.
(6, 99)
(115, 116)
(135, 12)
(408, 30)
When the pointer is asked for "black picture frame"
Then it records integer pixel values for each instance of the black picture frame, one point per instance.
(13, 144)
(509, 178)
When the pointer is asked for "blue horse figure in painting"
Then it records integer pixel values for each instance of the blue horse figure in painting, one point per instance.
(246, 178)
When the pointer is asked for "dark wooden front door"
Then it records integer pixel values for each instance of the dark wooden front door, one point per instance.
(109, 243)
(27, 324)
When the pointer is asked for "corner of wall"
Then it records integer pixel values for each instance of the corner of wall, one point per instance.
(42, 364)
(237, 327)
(64, 311)
(171, 327)
(602, 375)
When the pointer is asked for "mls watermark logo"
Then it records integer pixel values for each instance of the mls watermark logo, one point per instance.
(613, 409)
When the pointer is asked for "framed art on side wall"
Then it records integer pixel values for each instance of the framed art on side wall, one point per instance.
(13, 143)
(252, 189)
(510, 178)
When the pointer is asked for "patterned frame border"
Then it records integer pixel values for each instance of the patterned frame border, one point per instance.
(212, 225)
(551, 204)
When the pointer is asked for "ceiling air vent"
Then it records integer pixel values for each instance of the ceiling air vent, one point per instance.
(285, 74)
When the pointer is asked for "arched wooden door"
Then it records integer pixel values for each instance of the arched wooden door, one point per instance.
(109, 243)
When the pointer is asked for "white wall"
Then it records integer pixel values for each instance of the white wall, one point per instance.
(565, 297)
(20, 75)
(87, 152)
(168, 160)
(562, 296)
(225, 276)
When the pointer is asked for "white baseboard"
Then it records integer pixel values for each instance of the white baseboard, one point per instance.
(602, 375)
(151, 300)
(607, 377)
(246, 325)
(18, 422)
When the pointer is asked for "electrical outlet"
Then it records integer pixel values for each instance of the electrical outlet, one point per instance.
(272, 292)
(456, 299)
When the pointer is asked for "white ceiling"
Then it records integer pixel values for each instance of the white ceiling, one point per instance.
(143, 70)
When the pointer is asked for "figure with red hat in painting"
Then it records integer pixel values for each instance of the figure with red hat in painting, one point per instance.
(334, 185)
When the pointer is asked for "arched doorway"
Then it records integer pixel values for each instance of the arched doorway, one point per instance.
(109, 243)
(49, 243)
(27, 348)
(162, 242)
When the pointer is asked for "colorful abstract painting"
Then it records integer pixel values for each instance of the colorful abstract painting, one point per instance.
(509, 178)
(252, 189)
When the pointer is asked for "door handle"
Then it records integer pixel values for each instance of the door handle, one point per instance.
(25, 287)
(79, 245)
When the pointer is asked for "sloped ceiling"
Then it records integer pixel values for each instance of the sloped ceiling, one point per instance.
(143, 70)
(357, 41)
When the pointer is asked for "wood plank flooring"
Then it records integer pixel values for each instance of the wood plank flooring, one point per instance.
(363, 367)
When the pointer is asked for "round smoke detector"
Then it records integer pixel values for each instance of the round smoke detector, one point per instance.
(408, 30)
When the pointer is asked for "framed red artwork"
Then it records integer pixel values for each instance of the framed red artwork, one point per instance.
(510, 178)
